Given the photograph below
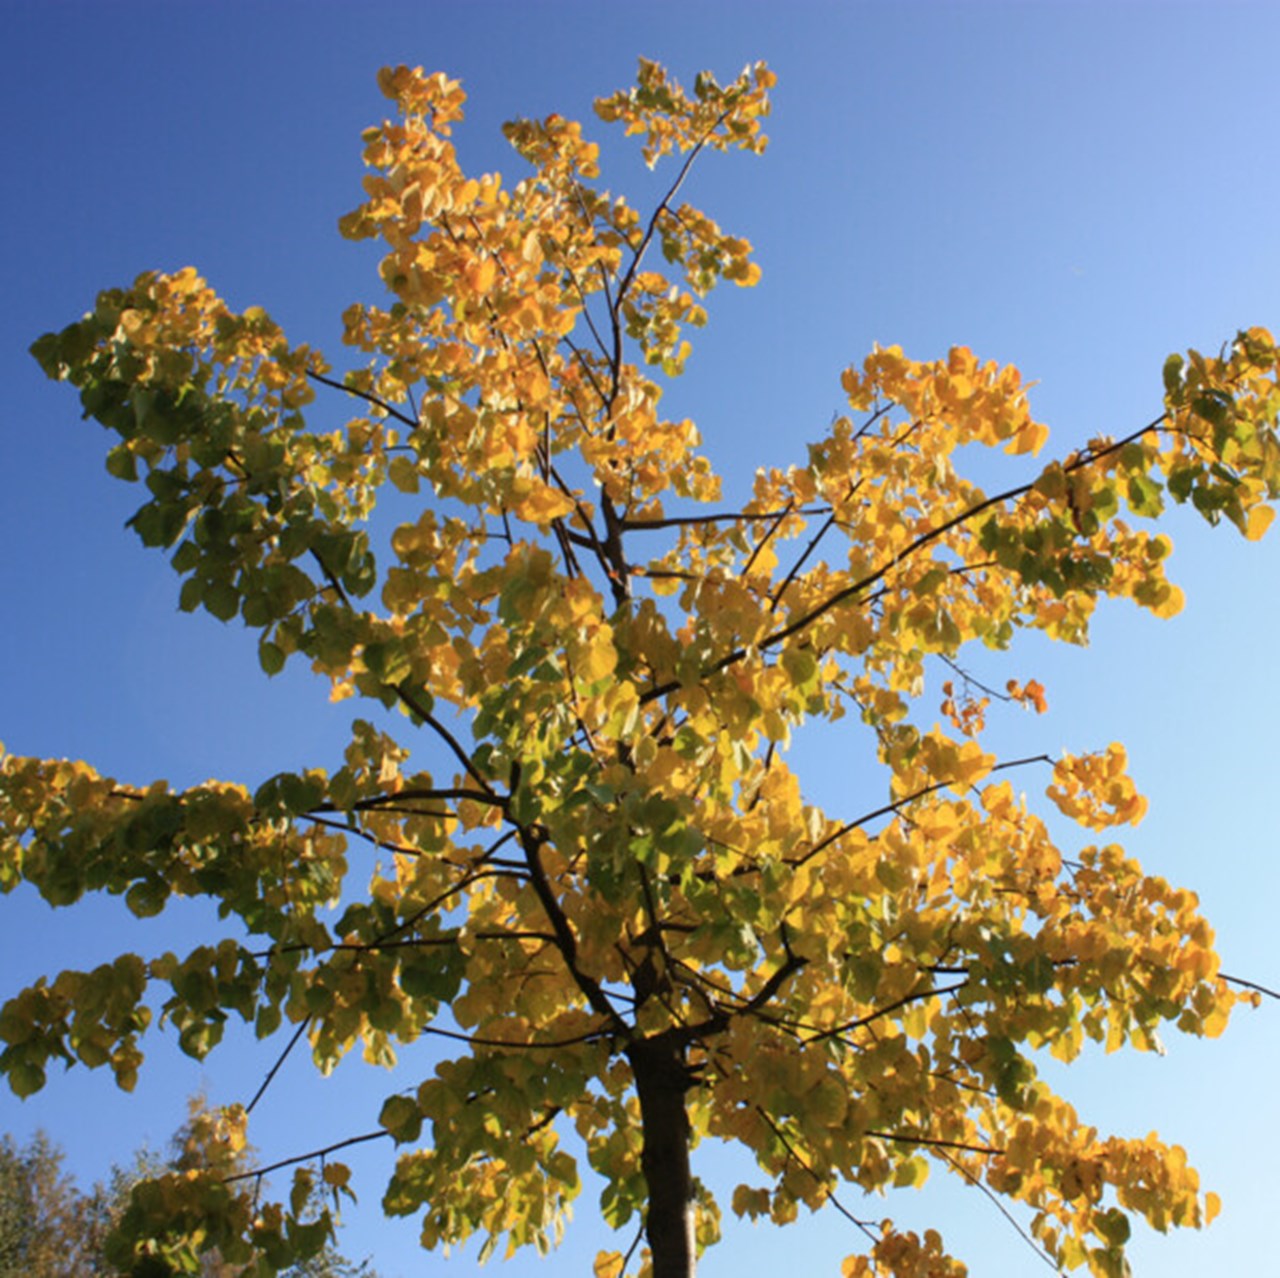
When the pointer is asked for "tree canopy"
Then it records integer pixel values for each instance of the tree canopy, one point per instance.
(47, 1227)
(598, 878)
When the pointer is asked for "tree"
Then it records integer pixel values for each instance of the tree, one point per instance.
(603, 887)
(49, 1228)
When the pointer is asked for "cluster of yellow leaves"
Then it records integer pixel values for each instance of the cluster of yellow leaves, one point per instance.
(1096, 791)
(1032, 692)
(905, 1256)
(1064, 1171)
(493, 284)
(981, 403)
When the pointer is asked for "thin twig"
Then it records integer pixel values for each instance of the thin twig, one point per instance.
(643, 246)
(864, 1225)
(259, 1172)
(475, 1040)
(391, 802)
(1250, 985)
(764, 541)
(970, 680)
(376, 400)
(531, 840)
(635, 1242)
(1001, 1208)
(679, 521)
(934, 991)
(934, 1142)
(799, 563)
(899, 804)
(447, 737)
(280, 1060)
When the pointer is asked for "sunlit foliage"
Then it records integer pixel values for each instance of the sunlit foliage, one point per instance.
(600, 883)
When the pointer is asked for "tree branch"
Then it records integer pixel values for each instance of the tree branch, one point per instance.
(899, 804)
(976, 1182)
(934, 1142)
(531, 840)
(925, 539)
(770, 532)
(647, 239)
(805, 620)
(477, 1040)
(381, 802)
(866, 1226)
(368, 396)
(259, 1172)
(1249, 985)
(681, 521)
(937, 991)
(447, 737)
(799, 563)
(280, 1060)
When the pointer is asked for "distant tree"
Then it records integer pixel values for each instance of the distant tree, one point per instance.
(49, 1228)
(599, 881)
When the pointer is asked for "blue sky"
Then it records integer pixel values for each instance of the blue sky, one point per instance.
(1078, 189)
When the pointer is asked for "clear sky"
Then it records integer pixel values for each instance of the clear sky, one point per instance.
(1078, 189)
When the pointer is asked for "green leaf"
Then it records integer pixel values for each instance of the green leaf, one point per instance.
(26, 1079)
(148, 898)
(1143, 496)
(801, 667)
(1113, 1225)
(47, 350)
(122, 464)
(401, 1116)
(270, 657)
(388, 662)
(222, 599)
(159, 524)
(199, 1039)
(1181, 481)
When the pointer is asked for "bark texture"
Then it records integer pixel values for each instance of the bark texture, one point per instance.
(662, 1078)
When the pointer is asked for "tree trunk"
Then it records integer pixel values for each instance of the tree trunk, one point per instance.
(662, 1079)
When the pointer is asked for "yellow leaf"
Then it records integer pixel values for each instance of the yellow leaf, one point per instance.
(403, 473)
(600, 658)
(1172, 603)
(481, 275)
(1259, 521)
(608, 1264)
(537, 502)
